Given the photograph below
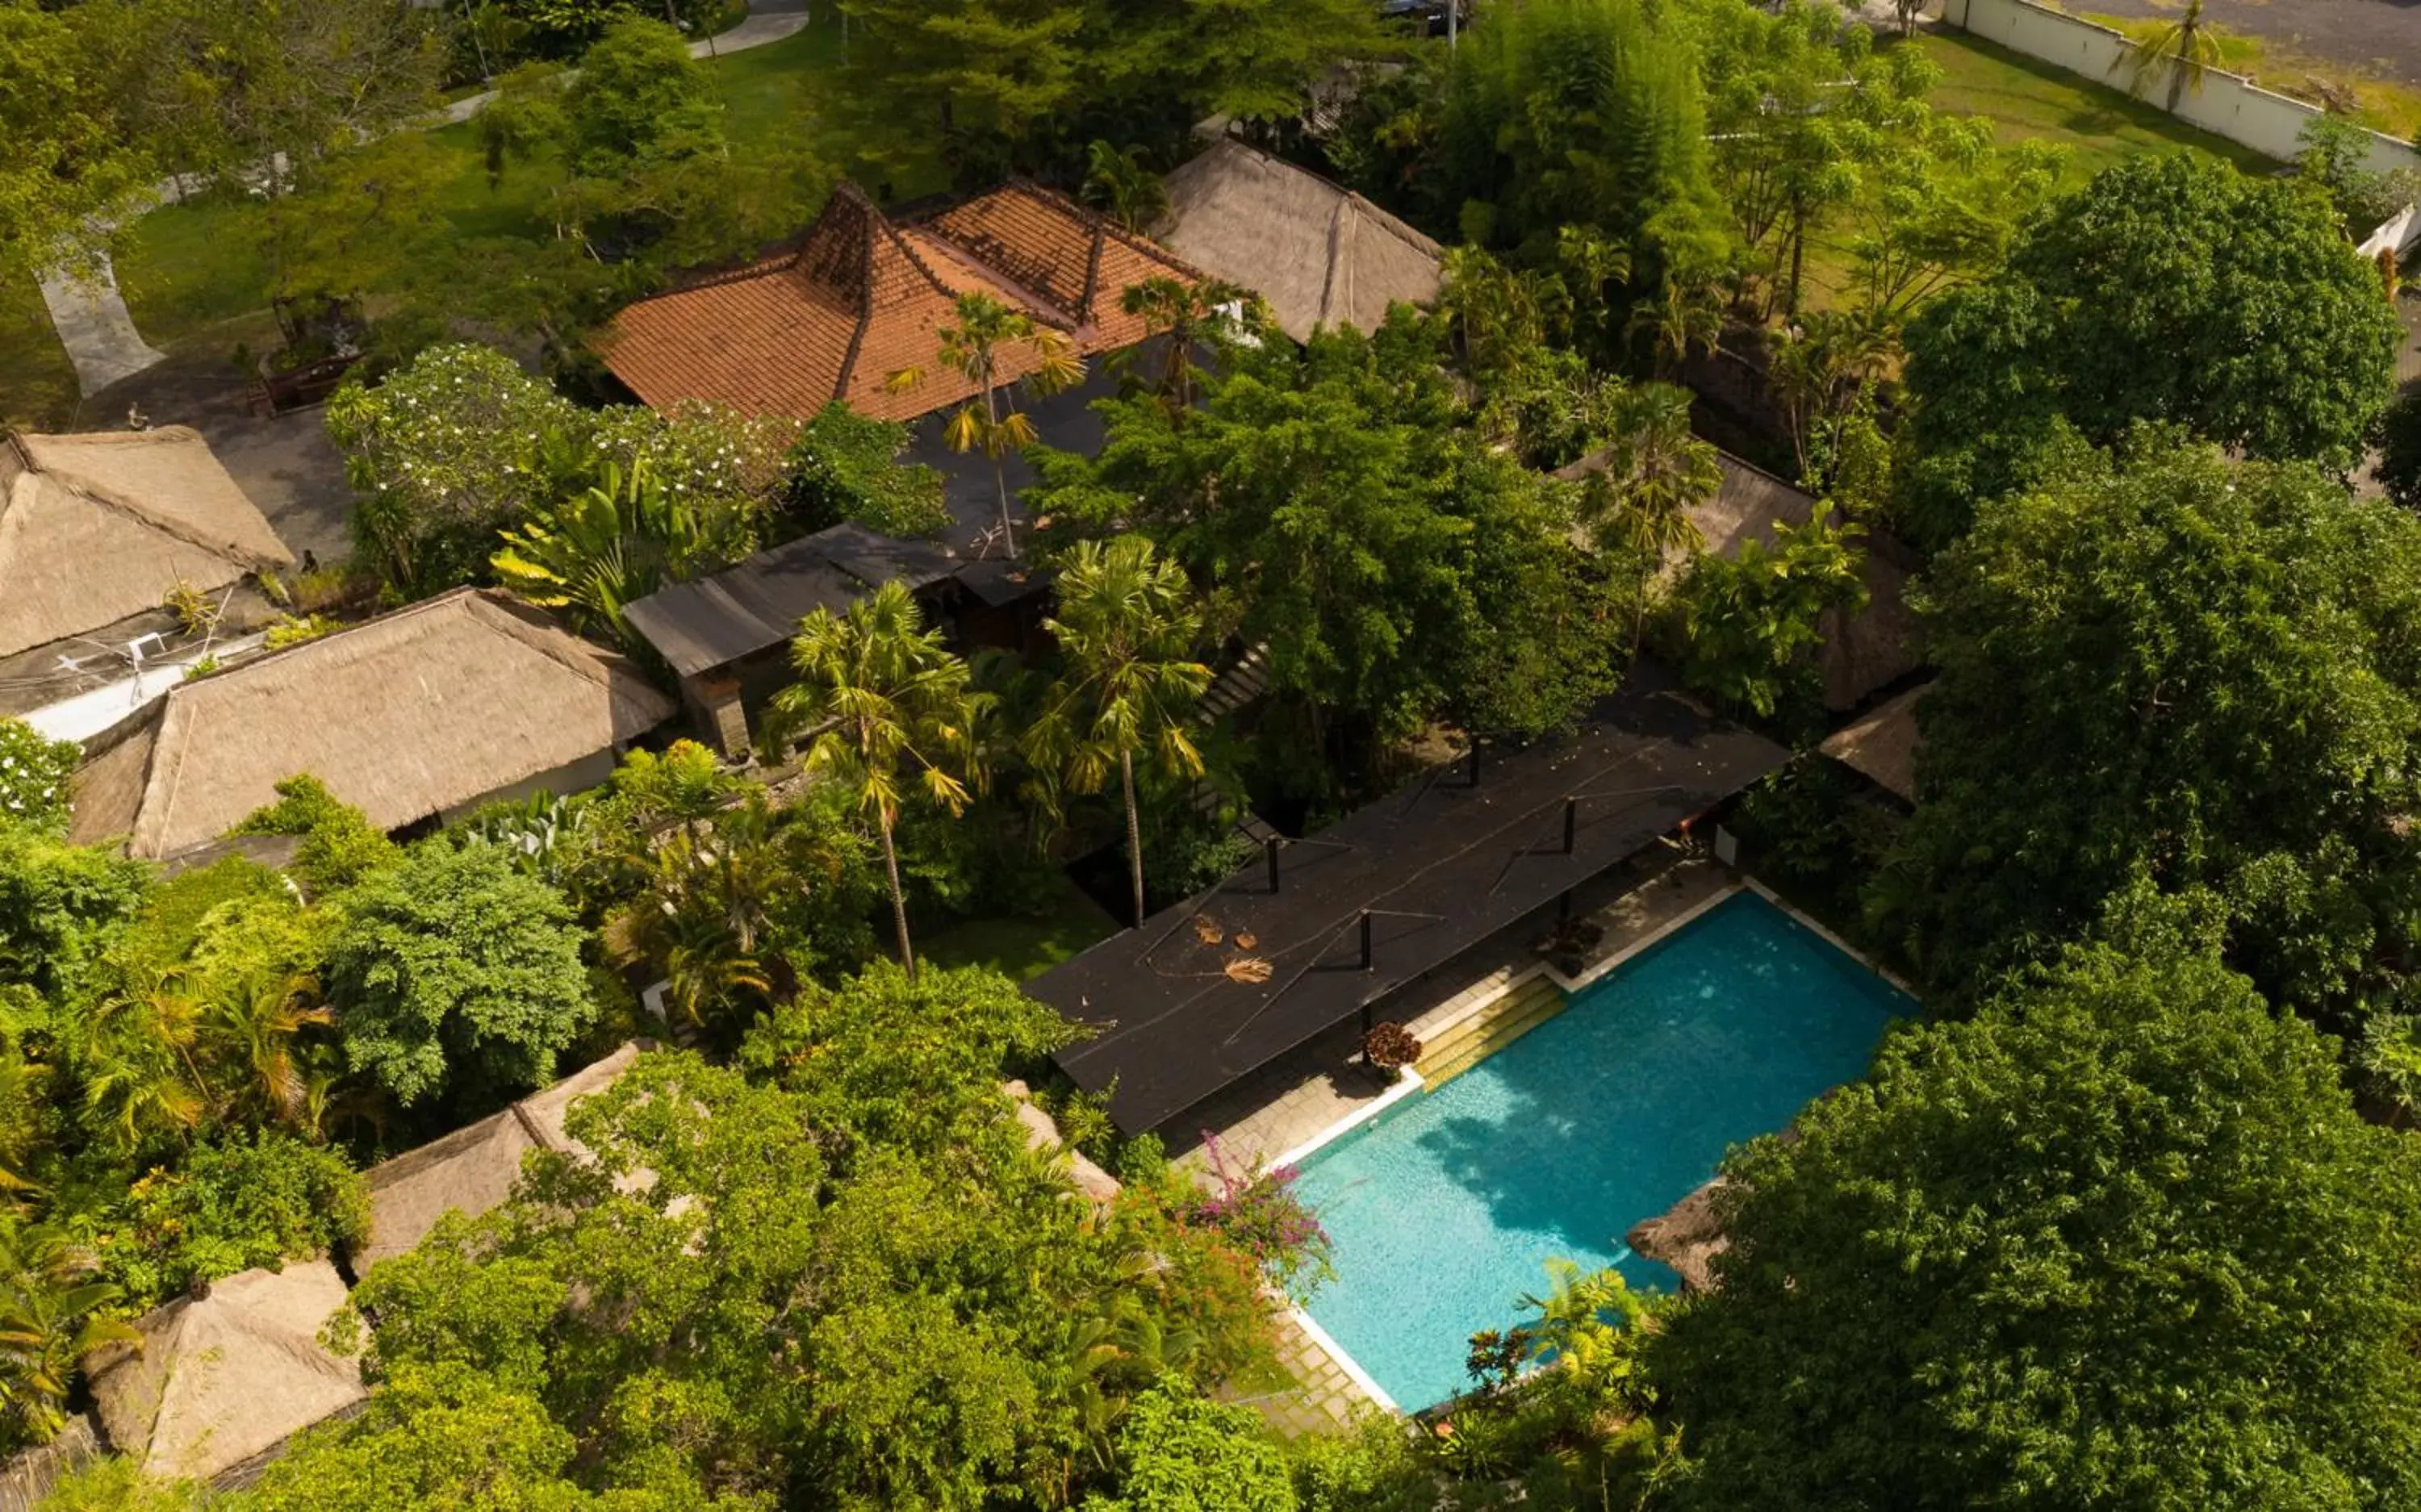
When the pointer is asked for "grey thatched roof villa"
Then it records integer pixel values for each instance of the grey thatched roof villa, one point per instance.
(426, 713)
(1319, 254)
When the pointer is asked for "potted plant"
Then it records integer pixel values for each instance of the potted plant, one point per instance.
(1389, 1048)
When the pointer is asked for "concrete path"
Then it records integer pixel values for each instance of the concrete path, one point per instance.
(90, 315)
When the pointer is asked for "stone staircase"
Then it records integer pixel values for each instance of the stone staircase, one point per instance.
(1463, 1044)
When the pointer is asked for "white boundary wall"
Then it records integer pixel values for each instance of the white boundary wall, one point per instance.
(2229, 105)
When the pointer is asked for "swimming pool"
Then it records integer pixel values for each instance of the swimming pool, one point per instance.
(1443, 1211)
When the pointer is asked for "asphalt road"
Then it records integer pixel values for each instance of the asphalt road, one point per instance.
(2381, 36)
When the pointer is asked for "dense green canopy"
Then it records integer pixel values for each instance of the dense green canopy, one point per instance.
(2170, 289)
(2180, 666)
(2121, 1241)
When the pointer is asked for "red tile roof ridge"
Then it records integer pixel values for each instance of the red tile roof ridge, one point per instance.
(1107, 227)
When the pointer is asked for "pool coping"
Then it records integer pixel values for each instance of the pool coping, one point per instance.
(1446, 1018)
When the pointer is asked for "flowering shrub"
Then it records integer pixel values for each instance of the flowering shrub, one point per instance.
(1256, 1209)
(443, 453)
(34, 771)
(1390, 1046)
(697, 452)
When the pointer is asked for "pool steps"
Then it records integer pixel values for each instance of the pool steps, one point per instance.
(1476, 1036)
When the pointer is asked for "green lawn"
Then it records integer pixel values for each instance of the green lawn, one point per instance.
(2026, 98)
(1025, 949)
(193, 278)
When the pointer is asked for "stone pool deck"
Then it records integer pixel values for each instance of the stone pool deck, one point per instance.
(1289, 1105)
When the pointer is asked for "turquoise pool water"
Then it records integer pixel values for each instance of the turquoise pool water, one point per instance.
(1445, 1210)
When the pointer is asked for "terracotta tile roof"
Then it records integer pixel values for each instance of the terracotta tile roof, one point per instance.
(863, 298)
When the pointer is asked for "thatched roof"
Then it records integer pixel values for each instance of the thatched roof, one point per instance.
(1688, 1239)
(1882, 744)
(412, 714)
(224, 1379)
(1863, 652)
(473, 1170)
(1319, 254)
(94, 529)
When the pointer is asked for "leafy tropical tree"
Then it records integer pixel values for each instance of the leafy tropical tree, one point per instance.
(2188, 47)
(2120, 1238)
(34, 776)
(454, 972)
(1399, 566)
(614, 544)
(2182, 666)
(1179, 1453)
(887, 704)
(740, 907)
(2279, 341)
(2399, 448)
(72, 160)
(983, 348)
(1750, 623)
(52, 1315)
(1128, 626)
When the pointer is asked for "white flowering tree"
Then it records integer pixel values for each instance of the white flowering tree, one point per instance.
(34, 771)
(446, 453)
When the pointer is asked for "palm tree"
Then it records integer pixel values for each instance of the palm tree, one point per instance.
(2188, 43)
(1117, 184)
(1687, 313)
(1128, 625)
(142, 1079)
(974, 348)
(1188, 314)
(1657, 471)
(884, 698)
(48, 1323)
(257, 1022)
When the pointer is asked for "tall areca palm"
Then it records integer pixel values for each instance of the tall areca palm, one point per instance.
(2189, 43)
(1128, 625)
(889, 704)
(1661, 470)
(48, 1323)
(976, 348)
(143, 1079)
(1188, 314)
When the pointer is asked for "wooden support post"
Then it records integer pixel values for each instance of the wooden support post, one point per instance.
(1270, 850)
(1471, 766)
(1563, 905)
(1572, 823)
(1366, 940)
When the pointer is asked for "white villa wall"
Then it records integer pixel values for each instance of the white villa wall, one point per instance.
(2227, 106)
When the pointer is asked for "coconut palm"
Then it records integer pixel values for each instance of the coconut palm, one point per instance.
(1128, 625)
(49, 1321)
(976, 348)
(888, 704)
(142, 1079)
(2189, 43)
